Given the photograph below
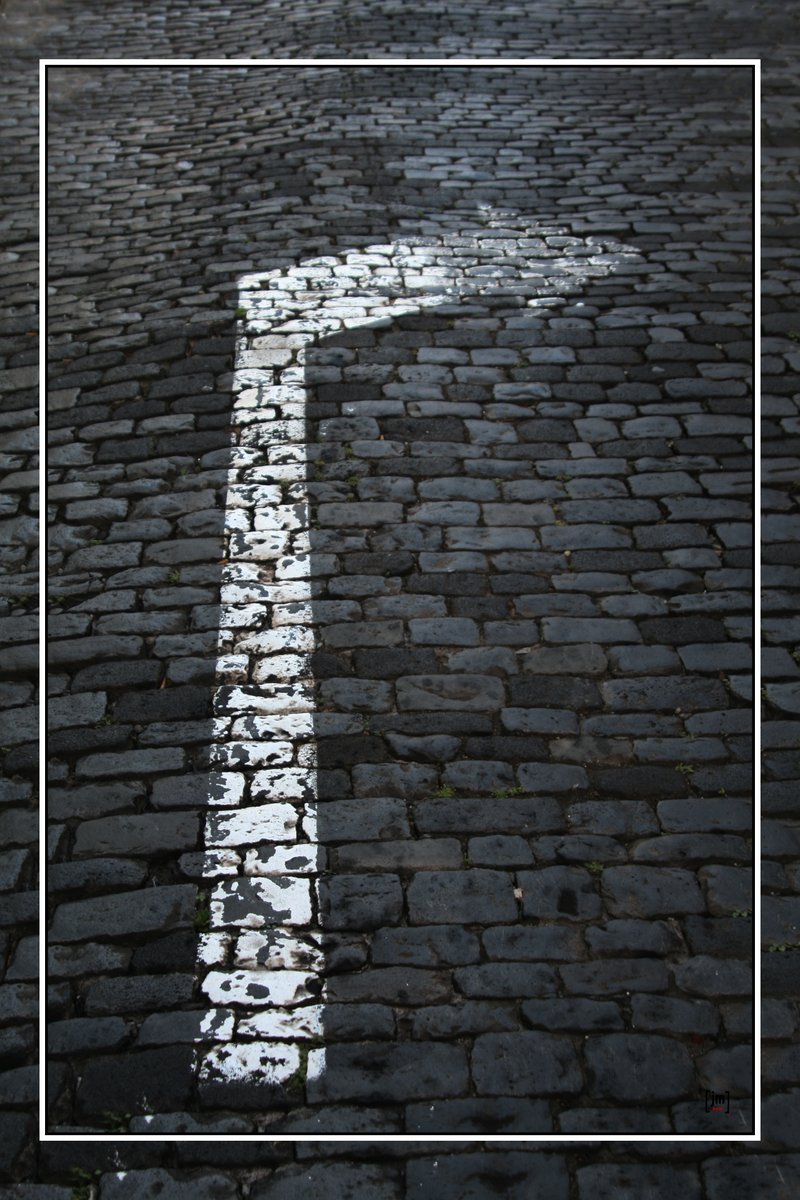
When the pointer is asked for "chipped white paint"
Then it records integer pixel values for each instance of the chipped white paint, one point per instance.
(304, 1022)
(252, 1062)
(278, 951)
(225, 787)
(282, 989)
(242, 827)
(281, 860)
(253, 902)
(213, 948)
(217, 1025)
(221, 862)
(262, 954)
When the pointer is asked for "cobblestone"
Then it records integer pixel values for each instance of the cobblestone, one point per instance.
(578, 318)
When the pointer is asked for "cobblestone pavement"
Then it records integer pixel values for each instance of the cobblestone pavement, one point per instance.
(399, 621)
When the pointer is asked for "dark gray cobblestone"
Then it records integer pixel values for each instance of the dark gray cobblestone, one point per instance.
(506, 649)
(151, 448)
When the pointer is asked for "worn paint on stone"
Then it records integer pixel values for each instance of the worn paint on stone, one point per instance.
(266, 622)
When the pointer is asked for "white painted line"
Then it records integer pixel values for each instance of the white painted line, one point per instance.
(262, 858)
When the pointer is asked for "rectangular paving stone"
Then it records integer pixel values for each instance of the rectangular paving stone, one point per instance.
(658, 694)
(551, 777)
(197, 790)
(393, 779)
(367, 633)
(151, 910)
(663, 1067)
(474, 1117)
(592, 630)
(576, 659)
(360, 902)
(12, 863)
(429, 946)
(553, 942)
(625, 1180)
(614, 977)
(358, 514)
(249, 826)
(406, 855)
(379, 1181)
(138, 993)
(136, 1082)
(651, 891)
(257, 903)
(439, 897)
(81, 1035)
(147, 834)
(83, 709)
(764, 1175)
(491, 539)
(475, 693)
(357, 695)
(514, 1174)
(105, 558)
(666, 1014)
(377, 1073)
(521, 815)
(80, 650)
(480, 775)
(465, 1018)
(391, 985)
(584, 1016)
(699, 815)
(506, 980)
(92, 958)
(441, 631)
(525, 1063)
(130, 762)
(19, 1001)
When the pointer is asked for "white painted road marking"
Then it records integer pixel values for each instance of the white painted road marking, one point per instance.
(262, 858)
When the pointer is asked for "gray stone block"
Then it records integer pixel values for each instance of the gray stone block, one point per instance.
(520, 815)
(150, 834)
(441, 897)
(137, 993)
(80, 1035)
(525, 1064)
(150, 910)
(506, 980)
(350, 820)
(130, 762)
(360, 902)
(475, 1117)
(559, 893)
(515, 1174)
(377, 1073)
(391, 985)
(144, 1184)
(459, 693)
(427, 946)
(705, 975)
(627, 1181)
(651, 891)
(639, 1067)
(551, 777)
(613, 977)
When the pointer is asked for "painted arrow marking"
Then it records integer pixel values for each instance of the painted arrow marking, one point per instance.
(261, 959)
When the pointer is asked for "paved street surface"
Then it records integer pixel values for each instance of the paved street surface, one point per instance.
(400, 607)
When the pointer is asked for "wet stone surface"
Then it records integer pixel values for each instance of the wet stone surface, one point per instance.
(428, 628)
(429, 706)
